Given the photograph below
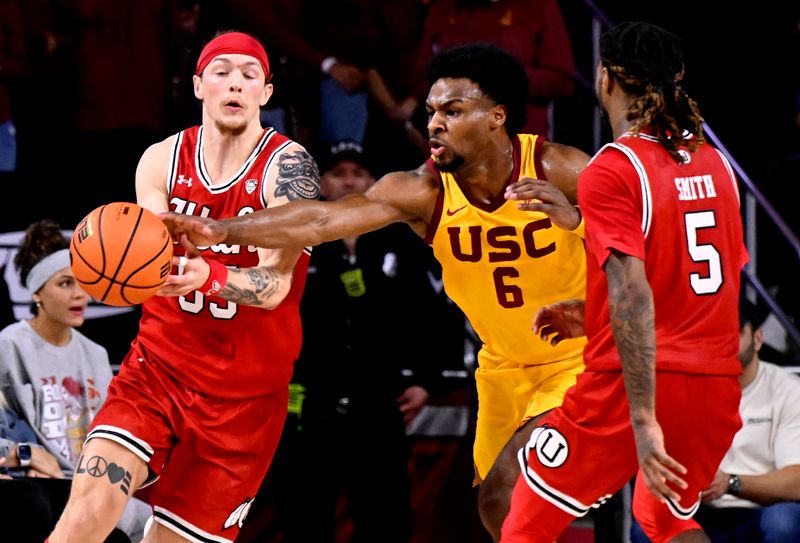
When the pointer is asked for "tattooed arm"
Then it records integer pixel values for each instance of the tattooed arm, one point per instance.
(632, 313)
(294, 176)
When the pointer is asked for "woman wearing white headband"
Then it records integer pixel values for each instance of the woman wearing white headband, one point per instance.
(54, 377)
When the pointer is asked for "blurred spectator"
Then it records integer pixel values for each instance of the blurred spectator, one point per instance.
(533, 31)
(364, 314)
(54, 377)
(122, 55)
(13, 64)
(184, 108)
(755, 496)
(333, 57)
(32, 499)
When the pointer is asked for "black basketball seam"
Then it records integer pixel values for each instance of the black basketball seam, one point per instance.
(121, 259)
(100, 235)
(88, 265)
(77, 251)
(124, 284)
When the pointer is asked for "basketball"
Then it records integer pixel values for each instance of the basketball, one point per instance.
(121, 254)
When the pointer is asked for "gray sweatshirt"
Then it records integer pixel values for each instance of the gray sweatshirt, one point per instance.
(57, 390)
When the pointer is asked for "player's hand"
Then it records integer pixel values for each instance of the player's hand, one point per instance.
(657, 467)
(717, 488)
(411, 402)
(349, 77)
(559, 321)
(193, 232)
(44, 464)
(543, 196)
(192, 273)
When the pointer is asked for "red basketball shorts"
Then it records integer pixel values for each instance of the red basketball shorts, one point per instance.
(584, 452)
(206, 455)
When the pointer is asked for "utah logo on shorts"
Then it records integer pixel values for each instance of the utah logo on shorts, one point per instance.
(551, 446)
(238, 515)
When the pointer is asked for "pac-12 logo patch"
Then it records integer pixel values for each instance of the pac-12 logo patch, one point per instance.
(551, 446)
(237, 516)
(250, 185)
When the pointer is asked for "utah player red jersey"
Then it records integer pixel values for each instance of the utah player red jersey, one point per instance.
(683, 221)
(210, 344)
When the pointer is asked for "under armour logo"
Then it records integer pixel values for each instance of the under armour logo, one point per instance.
(184, 181)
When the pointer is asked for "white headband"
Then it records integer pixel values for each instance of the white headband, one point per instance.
(46, 268)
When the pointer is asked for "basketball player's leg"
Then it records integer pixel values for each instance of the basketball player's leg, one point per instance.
(698, 443)
(106, 477)
(207, 486)
(547, 386)
(662, 525)
(577, 458)
(494, 496)
(158, 533)
(130, 434)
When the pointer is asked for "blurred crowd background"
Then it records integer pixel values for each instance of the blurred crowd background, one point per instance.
(87, 85)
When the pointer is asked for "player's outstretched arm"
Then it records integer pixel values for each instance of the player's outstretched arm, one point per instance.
(396, 197)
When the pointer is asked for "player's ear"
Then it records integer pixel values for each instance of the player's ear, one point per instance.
(197, 81)
(605, 83)
(498, 115)
(265, 96)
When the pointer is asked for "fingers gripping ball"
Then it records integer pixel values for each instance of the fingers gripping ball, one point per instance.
(121, 254)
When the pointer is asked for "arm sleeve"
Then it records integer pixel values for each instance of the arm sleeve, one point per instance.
(611, 205)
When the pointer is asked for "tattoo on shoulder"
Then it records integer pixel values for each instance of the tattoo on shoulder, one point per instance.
(298, 176)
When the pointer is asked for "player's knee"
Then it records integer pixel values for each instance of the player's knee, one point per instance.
(92, 512)
(105, 478)
(668, 528)
(495, 493)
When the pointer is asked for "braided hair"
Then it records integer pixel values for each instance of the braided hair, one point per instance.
(498, 74)
(647, 61)
(42, 238)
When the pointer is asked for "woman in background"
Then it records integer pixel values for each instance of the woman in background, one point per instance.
(54, 377)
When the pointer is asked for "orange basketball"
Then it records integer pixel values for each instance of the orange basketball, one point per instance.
(121, 254)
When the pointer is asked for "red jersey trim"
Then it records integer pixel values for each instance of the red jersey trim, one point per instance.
(200, 163)
(173, 162)
(436, 216)
(730, 172)
(538, 167)
(497, 202)
(644, 183)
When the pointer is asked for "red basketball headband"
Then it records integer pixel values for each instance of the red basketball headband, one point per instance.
(233, 43)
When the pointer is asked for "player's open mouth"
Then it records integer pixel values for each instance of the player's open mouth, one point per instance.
(233, 105)
(436, 147)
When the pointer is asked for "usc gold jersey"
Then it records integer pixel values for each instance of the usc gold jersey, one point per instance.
(500, 265)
